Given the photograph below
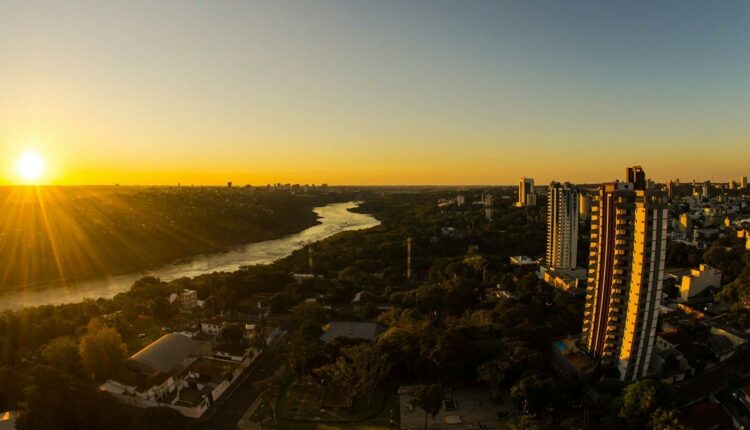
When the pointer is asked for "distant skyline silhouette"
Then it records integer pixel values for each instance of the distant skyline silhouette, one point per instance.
(387, 92)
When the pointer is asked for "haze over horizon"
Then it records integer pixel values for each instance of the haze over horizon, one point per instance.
(373, 93)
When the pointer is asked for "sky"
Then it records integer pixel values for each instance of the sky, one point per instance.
(374, 92)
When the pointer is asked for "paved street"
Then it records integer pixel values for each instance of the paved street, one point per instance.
(230, 408)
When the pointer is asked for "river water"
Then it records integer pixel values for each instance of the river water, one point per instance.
(334, 218)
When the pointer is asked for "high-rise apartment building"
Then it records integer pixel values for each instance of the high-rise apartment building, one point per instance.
(488, 204)
(526, 195)
(626, 270)
(562, 226)
(584, 207)
(670, 187)
(743, 182)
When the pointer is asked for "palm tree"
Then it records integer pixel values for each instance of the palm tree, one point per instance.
(270, 390)
(428, 398)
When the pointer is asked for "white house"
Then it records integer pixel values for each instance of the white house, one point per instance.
(698, 280)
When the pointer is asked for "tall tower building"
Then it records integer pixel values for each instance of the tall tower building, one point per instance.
(488, 203)
(743, 182)
(626, 270)
(526, 195)
(584, 207)
(670, 189)
(562, 226)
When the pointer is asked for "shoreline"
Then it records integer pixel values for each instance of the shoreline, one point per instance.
(332, 218)
(44, 285)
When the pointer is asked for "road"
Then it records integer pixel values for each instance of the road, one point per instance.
(229, 409)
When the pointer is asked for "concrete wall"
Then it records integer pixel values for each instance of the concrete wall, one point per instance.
(698, 280)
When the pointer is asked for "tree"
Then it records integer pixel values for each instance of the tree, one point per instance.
(663, 419)
(301, 350)
(450, 353)
(492, 373)
(572, 423)
(641, 399)
(533, 388)
(10, 395)
(428, 398)
(309, 314)
(62, 353)
(371, 365)
(282, 301)
(514, 357)
(737, 295)
(525, 422)
(101, 350)
(232, 332)
(729, 261)
(271, 389)
(431, 299)
(161, 309)
(342, 377)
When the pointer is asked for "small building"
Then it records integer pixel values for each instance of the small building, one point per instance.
(180, 373)
(207, 379)
(706, 415)
(672, 339)
(300, 277)
(725, 341)
(212, 326)
(660, 358)
(698, 280)
(746, 235)
(570, 280)
(232, 351)
(151, 376)
(522, 260)
(270, 334)
(570, 359)
(8, 420)
(188, 300)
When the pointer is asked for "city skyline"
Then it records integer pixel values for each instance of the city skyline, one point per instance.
(359, 94)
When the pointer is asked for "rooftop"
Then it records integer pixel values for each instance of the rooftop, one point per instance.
(164, 354)
(676, 337)
(705, 414)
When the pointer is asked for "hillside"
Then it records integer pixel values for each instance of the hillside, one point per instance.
(66, 233)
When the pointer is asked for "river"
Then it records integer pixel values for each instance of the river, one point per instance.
(334, 218)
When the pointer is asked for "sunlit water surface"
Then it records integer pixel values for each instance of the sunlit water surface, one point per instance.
(334, 218)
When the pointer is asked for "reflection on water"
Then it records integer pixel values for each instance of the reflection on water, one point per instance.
(334, 218)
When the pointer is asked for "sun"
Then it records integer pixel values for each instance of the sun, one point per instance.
(30, 166)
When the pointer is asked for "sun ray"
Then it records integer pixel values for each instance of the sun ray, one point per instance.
(30, 167)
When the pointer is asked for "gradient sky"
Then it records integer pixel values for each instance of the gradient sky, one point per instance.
(374, 92)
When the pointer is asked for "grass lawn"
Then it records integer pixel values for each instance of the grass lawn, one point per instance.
(302, 401)
(381, 421)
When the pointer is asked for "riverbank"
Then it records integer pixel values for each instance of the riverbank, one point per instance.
(52, 234)
(332, 219)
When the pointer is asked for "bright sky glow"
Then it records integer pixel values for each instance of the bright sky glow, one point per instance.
(30, 167)
(385, 92)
